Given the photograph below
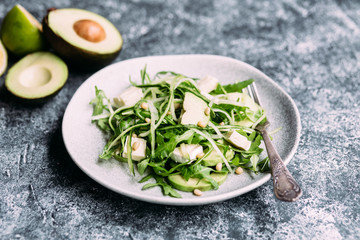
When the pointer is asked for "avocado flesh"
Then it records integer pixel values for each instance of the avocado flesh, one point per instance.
(214, 158)
(244, 99)
(36, 76)
(179, 182)
(21, 32)
(244, 123)
(247, 101)
(58, 27)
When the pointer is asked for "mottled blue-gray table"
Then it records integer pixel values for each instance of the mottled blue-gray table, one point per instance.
(312, 50)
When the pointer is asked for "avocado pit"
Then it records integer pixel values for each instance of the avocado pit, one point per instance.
(89, 30)
(35, 76)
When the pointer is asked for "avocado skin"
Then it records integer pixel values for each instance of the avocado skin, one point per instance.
(77, 57)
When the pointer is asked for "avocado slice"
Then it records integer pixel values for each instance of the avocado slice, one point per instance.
(244, 123)
(37, 76)
(21, 33)
(214, 158)
(179, 182)
(81, 37)
(246, 100)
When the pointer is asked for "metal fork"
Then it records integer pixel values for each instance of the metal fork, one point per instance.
(285, 186)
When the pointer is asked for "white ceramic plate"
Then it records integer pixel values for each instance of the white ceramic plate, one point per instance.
(84, 141)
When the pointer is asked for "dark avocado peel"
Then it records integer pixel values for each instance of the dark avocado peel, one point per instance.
(36, 77)
(82, 38)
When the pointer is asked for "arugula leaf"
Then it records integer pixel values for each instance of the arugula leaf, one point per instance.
(103, 124)
(129, 153)
(264, 165)
(235, 87)
(204, 172)
(165, 149)
(98, 108)
(187, 172)
(199, 171)
(255, 145)
(146, 178)
(149, 185)
(218, 90)
(236, 160)
(166, 188)
(108, 150)
(254, 161)
(240, 112)
(98, 102)
(142, 166)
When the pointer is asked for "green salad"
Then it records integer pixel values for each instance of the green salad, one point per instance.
(185, 133)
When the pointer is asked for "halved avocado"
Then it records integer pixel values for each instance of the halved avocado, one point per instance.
(37, 76)
(81, 37)
(180, 183)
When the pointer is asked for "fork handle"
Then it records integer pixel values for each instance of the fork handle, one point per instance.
(285, 186)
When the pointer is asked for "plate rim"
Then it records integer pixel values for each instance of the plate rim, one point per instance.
(165, 200)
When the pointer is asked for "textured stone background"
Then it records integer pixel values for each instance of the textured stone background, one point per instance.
(311, 49)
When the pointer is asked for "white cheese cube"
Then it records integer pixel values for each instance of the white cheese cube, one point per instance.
(193, 110)
(207, 84)
(186, 152)
(140, 152)
(177, 156)
(129, 97)
(238, 140)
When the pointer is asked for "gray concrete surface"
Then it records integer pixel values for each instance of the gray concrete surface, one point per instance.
(312, 50)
